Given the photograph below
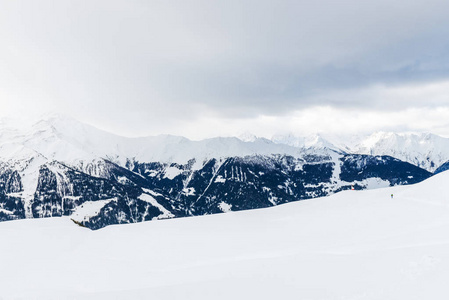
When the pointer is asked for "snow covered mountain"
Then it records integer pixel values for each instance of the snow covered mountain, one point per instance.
(351, 245)
(59, 166)
(425, 150)
(316, 141)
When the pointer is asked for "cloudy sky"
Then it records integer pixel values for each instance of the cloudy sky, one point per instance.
(208, 68)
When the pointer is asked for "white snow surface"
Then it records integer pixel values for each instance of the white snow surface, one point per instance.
(425, 150)
(225, 207)
(352, 245)
(89, 209)
(418, 149)
(172, 172)
(315, 141)
(62, 139)
(150, 199)
(67, 140)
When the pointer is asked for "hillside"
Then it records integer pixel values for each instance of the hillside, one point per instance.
(61, 167)
(424, 150)
(351, 245)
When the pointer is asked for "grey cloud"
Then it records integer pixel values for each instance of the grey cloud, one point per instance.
(163, 59)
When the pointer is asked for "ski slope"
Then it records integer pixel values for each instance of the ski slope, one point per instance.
(352, 245)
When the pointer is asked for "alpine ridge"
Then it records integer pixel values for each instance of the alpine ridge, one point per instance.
(424, 150)
(61, 167)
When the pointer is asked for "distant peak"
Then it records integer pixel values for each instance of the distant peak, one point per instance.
(247, 137)
(310, 141)
(172, 138)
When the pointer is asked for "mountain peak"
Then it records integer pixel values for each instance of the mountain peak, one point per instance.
(56, 136)
(247, 137)
(316, 141)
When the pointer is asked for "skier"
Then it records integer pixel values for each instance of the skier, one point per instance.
(391, 196)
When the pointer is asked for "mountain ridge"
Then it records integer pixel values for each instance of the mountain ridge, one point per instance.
(425, 150)
(69, 168)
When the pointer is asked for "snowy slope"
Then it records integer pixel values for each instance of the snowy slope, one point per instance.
(425, 150)
(59, 166)
(315, 141)
(67, 140)
(25, 148)
(352, 245)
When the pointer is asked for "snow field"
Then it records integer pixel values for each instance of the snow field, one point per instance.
(352, 245)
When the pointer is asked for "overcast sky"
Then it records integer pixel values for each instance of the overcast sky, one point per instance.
(208, 68)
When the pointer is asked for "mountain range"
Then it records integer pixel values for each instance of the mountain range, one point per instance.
(350, 245)
(425, 150)
(59, 166)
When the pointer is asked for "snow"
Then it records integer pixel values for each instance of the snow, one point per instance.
(5, 211)
(424, 150)
(373, 183)
(315, 141)
(352, 245)
(153, 193)
(247, 137)
(123, 180)
(225, 207)
(76, 144)
(421, 149)
(172, 172)
(69, 141)
(151, 173)
(189, 191)
(148, 198)
(88, 209)
(29, 176)
(220, 179)
(271, 198)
